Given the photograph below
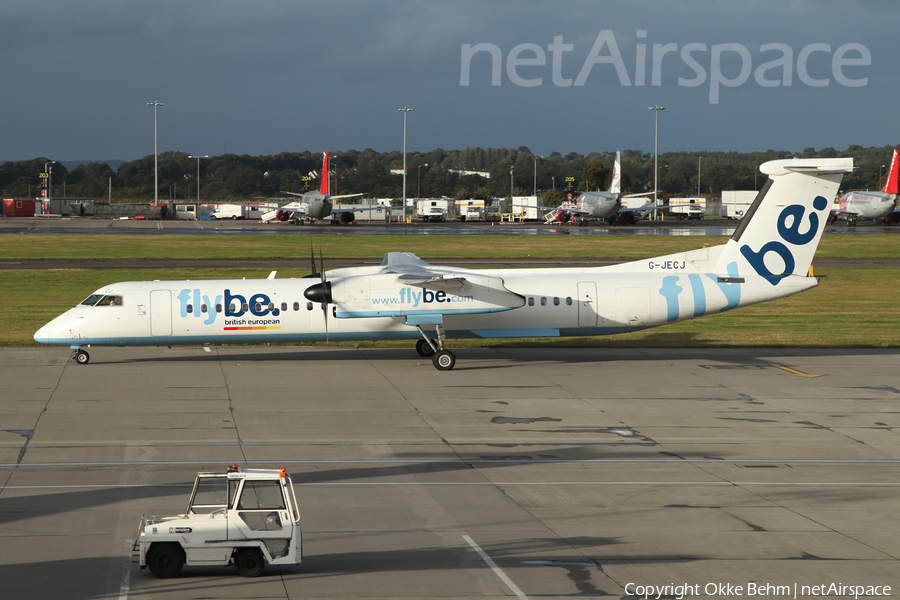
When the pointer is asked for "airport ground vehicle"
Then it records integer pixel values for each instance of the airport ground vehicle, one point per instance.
(245, 517)
(687, 208)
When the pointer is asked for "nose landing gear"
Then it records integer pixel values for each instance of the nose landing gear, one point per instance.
(81, 357)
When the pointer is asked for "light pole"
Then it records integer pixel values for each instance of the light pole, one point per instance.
(699, 162)
(511, 189)
(404, 110)
(48, 169)
(534, 192)
(198, 174)
(155, 106)
(48, 192)
(656, 158)
(419, 185)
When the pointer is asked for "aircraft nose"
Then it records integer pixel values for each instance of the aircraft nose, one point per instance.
(43, 335)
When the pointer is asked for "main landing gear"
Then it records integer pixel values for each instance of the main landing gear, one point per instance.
(441, 358)
(81, 357)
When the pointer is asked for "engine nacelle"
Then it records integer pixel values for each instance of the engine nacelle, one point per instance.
(346, 217)
(283, 215)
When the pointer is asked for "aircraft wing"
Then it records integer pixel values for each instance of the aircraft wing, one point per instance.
(844, 212)
(337, 211)
(412, 270)
(291, 208)
(571, 211)
(551, 209)
(443, 291)
(642, 209)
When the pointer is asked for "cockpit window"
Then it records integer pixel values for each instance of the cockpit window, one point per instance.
(92, 300)
(110, 301)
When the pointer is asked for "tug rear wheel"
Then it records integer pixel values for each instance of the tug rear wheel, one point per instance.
(250, 562)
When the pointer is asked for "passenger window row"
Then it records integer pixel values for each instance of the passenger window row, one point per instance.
(544, 301)
(245, 307)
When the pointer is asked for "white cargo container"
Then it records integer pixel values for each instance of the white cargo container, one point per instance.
(434, 209)
(530, 208)
(735, 203)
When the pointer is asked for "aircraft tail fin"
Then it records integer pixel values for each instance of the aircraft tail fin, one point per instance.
(779, 235)
(890, 186)
(324, 188)
(615, 186)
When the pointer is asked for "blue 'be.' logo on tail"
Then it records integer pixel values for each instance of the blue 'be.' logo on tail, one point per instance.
(790, 234)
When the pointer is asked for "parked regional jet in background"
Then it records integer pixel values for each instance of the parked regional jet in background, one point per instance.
(315, 205)
(768, 257)
(871, 205)
(605, 206)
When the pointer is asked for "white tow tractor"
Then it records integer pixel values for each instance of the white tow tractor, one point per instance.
(244, 517)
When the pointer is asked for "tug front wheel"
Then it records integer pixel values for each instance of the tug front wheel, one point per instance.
(250, 562)
(165, 560)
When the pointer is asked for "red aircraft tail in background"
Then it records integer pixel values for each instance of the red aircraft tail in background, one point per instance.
(890, 186)
(324, 188)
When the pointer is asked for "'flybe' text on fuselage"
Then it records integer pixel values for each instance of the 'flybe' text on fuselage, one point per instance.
(193, 303)
(410, 296)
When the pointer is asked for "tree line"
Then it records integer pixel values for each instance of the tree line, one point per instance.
(431, 174)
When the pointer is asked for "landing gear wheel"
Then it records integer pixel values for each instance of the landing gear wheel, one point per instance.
(424, 349)
(443, 360)
(82, 357)
(165, 560)
(250, 562)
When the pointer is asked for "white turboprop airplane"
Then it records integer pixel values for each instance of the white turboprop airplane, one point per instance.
(316, 206)
(768, 257)
(605, 206)
(871, 205)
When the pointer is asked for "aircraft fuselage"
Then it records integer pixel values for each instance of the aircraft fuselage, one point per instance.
(553, 302)
(868, 205)
(599, 205)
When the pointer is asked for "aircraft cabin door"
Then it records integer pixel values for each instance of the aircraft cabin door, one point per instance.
(587, 304)
(160, 313)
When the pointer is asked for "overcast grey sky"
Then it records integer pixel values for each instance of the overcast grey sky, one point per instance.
(271, 76)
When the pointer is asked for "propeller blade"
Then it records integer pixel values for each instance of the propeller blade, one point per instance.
(327, 286)
(312, 257)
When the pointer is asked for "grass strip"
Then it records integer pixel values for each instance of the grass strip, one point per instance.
(337, 245)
